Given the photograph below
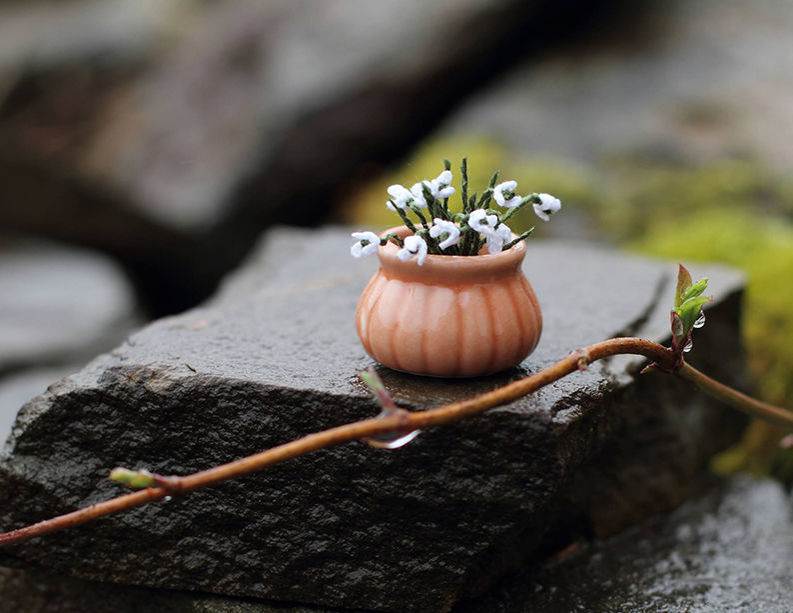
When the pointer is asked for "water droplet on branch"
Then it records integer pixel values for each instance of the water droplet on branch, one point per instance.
(390, 440)
(393, 439)
(700, 320)
(688, 347)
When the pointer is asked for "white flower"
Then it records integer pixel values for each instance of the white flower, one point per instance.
(502, 190)
(418, 196)
(440, 187)
(497, 238)
(480, 221)
(403, 197)
(400, 196)
(547, 206)
(414, 246)
(442, 226)
(359, 249)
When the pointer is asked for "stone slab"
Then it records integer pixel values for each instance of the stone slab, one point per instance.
(728, 550)
(275, 356)
(16, 389)
(38, 592)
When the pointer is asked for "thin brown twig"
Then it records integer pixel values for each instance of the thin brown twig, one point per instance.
(734, 398)
(403, 422)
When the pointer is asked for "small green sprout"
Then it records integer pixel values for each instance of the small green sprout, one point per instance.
(380, 393)
(134, 479)
(687, 313)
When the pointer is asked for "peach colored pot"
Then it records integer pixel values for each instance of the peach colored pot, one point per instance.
(455, 316)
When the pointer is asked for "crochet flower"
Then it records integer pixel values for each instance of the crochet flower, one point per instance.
(504, 194)
(372, 241)
(414, 246)
(442, 226)
(497, 238)
(418, 196)
(443, 232)
(547, 206)
(440, 187)
(480, 221)
(400, 197)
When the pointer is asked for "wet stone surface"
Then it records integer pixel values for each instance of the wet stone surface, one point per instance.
(59, 307)
(275, 356)
(34, 592)
(728, 550)
(17, 388)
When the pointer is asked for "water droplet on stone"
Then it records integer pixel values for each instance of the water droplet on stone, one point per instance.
(700, 320)
(391, 440)
(688, 347)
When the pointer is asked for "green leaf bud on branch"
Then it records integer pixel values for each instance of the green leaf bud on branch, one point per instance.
(134, 479)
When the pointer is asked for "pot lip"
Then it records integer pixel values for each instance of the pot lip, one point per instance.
(454, 267)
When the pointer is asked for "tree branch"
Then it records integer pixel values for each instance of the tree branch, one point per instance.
(404, 422)
(734, 398)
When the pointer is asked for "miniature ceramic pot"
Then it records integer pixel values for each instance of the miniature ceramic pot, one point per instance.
(454, 316)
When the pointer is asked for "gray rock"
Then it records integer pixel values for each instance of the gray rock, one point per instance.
(729, 550)
(228, 92)
(38, 592)
(693, 79)
(39, 36)
(60, 305)
(16, 389)
(275, 356)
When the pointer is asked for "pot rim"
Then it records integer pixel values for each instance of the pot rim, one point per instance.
(450, 267)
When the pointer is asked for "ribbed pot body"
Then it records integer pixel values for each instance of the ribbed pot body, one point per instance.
(454, 316)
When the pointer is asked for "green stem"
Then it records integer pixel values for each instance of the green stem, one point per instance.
(432, 244)
(420, 215)
(465, 230)
(522, 237)
(405, 219)
(394, 237)
(464, 183)
(484, 201)
(526, 200)
(469, 237)
(433, 206)
(445, 213)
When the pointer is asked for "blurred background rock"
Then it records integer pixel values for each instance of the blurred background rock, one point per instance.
(153, 142)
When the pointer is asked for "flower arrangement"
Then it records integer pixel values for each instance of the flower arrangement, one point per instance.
(440, 231)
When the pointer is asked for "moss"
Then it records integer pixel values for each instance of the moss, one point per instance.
(738, 214)
(763, 248)
(639, 195)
